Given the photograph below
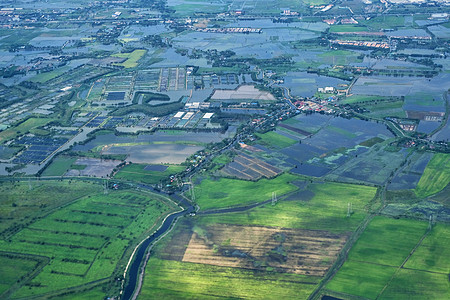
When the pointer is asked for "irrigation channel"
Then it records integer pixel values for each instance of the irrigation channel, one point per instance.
(135, 270)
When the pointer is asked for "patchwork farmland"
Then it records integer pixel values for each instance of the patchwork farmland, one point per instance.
(244, 166)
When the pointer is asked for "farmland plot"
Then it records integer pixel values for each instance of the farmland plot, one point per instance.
(295, 251)
(247, 167)
(85, 241)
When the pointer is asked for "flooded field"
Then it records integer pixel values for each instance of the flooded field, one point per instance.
(306, 84)
(244, 92)
(155, 153)
(158, 137)
(410, 174)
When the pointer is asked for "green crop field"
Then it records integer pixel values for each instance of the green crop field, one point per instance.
(86, 240)
(22, 128)
(59, 166)
(339, 57)
(95, 293)
(347, 28)
(233, 192)
(432, 255)
(384, 22)
(361, 99)
(435, 177)
(46, 76)
(14, 269)
(275, 140)
(412, 284)
(326, 210)
(31, 200)
(132, 58)
(376, 256)
(137, 172)
(168, 279)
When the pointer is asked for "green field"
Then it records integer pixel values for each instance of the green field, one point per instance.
(385, 109)
(14, 269)
(347, 28)
(227, 192)
(46, 76)
(132, 58)
(339, 57)
(435, 177)
(274, 140)
(411, 284)
(376, 256)
(59, 166)
(33, 199)
(326, 210)
(432, 255)
(22, 128)
(427, 270)
(358, 99)
(168, 279)
(384, 22)
(137, 172)
(86, 240)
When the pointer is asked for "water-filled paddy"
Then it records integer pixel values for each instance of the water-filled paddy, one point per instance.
(156, 153)
(306, 84)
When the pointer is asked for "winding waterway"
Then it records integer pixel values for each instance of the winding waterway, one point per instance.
(134, 270)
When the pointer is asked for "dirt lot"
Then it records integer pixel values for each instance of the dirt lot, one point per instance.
(94, 167)
(308, 252)
(243, 92)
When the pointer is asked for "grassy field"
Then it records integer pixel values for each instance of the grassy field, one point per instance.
(46, 76)
(411, 284)
(432, 255)
(233, 192)
(347, 28)
(167, 279)
(95, 293)
(376, 256)
(59, 166)
(339, 57)
(435, 177)
(384, 22)
(426, 271)
(22, 128)
(27, 201)
(132, 58)
(385, 109)
(274, 140)
(359, 99)
(137, 172)
(325, 210)
(86, 240)
(13, 270)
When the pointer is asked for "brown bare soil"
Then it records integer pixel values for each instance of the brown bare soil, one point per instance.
(307, 252)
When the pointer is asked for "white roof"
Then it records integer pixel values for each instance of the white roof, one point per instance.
(208, 115)
(179, 114)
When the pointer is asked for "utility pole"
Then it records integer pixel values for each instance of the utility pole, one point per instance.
(274, 198)
(349, 209)
(430, 223)
(105, 187)
(192, 192)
